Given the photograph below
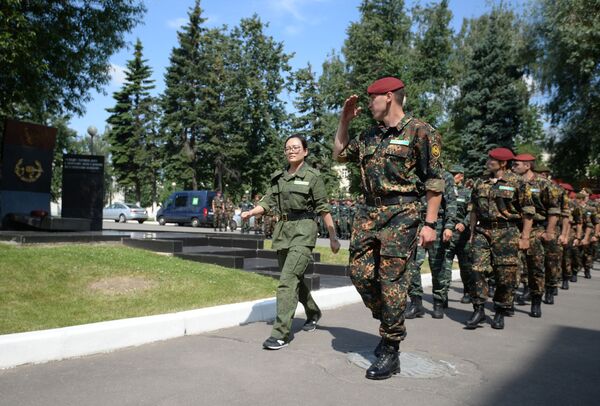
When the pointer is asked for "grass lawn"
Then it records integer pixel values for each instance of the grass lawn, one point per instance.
(62, 285)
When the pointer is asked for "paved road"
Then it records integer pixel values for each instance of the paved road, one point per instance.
(554, 360)
(153, 226)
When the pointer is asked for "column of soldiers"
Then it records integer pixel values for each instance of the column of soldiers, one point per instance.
(342, 212)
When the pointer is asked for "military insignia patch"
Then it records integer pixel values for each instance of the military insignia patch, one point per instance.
(436, 150)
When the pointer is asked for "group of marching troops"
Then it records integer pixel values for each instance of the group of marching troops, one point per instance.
(224, 208)
(516, 228)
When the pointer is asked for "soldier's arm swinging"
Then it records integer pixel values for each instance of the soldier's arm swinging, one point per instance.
(333, 240)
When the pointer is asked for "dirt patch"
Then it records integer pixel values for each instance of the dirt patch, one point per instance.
(121, 285)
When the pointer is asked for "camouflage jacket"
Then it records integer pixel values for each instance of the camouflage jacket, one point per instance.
(403, 159)
(447, 211)
(463, 207)
(545, 198)
(506, 198)
(217, 203)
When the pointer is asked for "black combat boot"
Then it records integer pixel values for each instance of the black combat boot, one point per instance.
(477, 317)
(536, 306)
(498, 322)
(379, 349)
(387, 364)
(565, 284)
(574, 277)
(555, 291)
(524, 297)
(549, 296)
(438, 309)
(511, 311)
(587, 274)
(466, 297)
(415, 309)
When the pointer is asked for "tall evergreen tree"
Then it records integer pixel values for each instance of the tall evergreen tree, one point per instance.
(488, 111)
(130, 128)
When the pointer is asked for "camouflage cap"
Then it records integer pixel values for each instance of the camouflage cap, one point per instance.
(454, 169)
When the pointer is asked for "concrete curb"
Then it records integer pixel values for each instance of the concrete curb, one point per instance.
(68, 342)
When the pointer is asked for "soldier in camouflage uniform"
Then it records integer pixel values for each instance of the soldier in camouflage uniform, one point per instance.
(570, 259)
(500, 202)
(258, 220)
(229, 213)
(545, 198)
(590, 217)
(399, 160)
(441, 275)
(218, 207)
(459, 245)
(246, 205)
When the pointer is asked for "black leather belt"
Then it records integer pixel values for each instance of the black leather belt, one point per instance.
(389, 200)
(495, 224)
(298, 215)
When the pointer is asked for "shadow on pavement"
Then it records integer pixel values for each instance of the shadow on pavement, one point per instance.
(564, 371)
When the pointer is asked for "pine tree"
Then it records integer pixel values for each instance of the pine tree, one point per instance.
(181, 102)
(488, 111)
(130, 128)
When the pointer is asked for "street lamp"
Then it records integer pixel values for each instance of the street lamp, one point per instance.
(92, 131)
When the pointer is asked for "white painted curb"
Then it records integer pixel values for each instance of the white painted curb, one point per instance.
(68, 342)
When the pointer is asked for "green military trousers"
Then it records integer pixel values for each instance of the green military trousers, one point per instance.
(293, 262)
(441, 273)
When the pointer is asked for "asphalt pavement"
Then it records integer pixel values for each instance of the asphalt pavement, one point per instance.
(554, 360)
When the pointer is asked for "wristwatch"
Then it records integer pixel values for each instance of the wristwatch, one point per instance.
(431, 224)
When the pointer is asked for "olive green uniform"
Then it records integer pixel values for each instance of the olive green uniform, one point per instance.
(299, 198)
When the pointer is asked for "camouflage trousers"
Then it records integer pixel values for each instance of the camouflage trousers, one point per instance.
(246, 226)
(218, 219)
(441, 275)
(460, 247)
(383, 241)
(497, 248)
(293, 263)
(534, 263)
(258, 224)
(570, 259)
(587, 256)
(553, 258)
(227, 220)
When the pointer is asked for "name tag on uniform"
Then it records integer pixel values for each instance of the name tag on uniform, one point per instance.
(301, 182)
(460, 200)
(400, 142)
(535, 190)
(510, 188)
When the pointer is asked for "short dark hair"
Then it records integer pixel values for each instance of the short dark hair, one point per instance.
(301, 138)
(399, 96)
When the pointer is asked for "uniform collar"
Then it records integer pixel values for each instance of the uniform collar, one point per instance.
(403, 122)
(300, 173)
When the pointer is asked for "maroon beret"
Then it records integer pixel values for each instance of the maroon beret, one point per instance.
(524, 157)
(501, 154)
(568, 187)
(384, 85)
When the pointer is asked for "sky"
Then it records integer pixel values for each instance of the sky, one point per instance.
(310, 29)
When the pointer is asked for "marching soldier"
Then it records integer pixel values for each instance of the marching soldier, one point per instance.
(218, 209)
(229, 213)
(500, 202)
(399, 160)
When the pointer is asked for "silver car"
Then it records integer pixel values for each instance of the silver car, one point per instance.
(121, 212)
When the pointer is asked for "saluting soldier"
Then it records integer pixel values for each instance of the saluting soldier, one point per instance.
(399, 160)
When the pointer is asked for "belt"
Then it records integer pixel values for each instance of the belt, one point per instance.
(377, 201)
(495, 224)
(298, 215)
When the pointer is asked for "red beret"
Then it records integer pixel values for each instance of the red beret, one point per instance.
(384, 85)
(568, 187)
(524, 157)
(501, 154)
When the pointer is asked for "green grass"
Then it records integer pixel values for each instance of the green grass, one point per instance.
(49, 286)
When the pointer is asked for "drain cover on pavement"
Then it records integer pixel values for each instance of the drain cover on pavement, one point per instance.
(412, 365)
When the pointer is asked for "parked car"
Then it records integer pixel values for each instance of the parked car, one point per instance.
(121, 212)
(187, 207)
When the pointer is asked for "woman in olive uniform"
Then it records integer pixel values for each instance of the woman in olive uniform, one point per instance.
(298, 194)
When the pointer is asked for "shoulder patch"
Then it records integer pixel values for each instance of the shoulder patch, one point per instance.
(436, 150)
